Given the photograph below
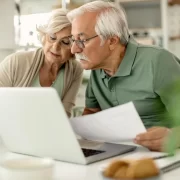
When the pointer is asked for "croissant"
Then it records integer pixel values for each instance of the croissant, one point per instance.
(132, 169)
(117, 168)
(143, 168)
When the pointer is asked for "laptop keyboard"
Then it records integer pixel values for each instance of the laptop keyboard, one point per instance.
(91, 152)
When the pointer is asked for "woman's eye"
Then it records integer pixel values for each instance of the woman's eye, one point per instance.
(66, 42)
(52, 38)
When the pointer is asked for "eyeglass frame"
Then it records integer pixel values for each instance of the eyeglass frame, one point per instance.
(80, 43)
(60, 40)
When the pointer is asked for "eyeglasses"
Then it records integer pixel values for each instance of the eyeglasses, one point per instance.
(64, 42)
(80, 43)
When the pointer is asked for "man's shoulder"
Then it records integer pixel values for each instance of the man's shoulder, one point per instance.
(153, 53)
(156, 56)
(150, 49)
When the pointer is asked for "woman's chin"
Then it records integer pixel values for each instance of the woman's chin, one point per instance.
(52, 57)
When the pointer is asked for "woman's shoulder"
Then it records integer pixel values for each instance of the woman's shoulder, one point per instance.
(73, 69)
(75, 65)
(21, 56)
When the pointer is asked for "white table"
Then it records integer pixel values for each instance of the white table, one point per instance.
(68, 171)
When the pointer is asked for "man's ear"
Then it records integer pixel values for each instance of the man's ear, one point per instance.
(113, 42)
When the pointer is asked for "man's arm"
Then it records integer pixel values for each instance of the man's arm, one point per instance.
(91, 106)
(164, 84)
(90, 110)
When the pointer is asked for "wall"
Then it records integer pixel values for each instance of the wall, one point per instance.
(174, 29)
(143, 14)
(7, 40)
(37, 6)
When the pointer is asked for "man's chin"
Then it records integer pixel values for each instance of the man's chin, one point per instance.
(85, 66)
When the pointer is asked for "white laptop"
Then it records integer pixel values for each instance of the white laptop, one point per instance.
(33, 122)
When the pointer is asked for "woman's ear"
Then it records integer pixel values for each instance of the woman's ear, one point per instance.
(113, 42)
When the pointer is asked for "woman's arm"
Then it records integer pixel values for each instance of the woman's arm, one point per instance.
(70, 96)
(7, 71)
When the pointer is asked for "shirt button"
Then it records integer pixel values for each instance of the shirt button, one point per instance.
(112, 90)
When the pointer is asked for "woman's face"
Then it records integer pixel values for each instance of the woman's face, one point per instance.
(57, 46)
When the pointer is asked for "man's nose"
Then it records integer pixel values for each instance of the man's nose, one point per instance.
(75, 48)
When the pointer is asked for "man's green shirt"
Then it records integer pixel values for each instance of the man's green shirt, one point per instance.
(142, 77)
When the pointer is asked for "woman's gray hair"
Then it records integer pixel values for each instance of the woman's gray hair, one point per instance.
(57, 21)
(111, 19)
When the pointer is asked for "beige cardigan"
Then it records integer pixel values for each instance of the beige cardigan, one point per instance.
(19, 69)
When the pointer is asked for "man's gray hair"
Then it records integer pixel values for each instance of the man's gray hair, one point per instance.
(57, 21)
(111, 19)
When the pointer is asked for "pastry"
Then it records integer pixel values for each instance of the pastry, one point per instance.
(116, 166)
(132, 169)
(142, 168)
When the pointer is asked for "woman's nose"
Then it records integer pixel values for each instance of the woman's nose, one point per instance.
(56, 45)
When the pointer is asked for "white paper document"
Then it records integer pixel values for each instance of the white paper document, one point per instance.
(118, 124)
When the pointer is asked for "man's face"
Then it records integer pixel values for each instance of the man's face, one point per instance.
(91, 53)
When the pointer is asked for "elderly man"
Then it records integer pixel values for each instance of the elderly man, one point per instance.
(122, 69)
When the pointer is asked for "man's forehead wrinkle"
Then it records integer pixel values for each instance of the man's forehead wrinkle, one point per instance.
(85, 24)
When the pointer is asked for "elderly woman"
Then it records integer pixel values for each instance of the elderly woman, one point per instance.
(53, 65)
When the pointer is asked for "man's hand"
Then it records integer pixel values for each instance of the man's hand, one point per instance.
(153, 139)
(90, 110)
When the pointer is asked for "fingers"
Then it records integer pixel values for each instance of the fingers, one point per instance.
(152, 134)
(152, 128)
(146, 136)
(153, 138)
(155, 145)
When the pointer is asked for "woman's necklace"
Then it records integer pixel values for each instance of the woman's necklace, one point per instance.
(53, 82)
